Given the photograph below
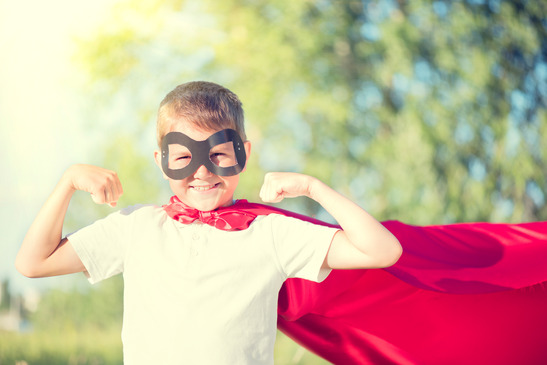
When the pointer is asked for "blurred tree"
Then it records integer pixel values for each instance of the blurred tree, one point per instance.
(5, 295)
(426, 111)
(423, 111)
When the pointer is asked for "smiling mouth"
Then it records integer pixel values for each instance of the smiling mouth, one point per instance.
(205, 187)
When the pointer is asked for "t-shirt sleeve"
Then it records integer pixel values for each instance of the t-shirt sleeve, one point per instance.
(301, 247)
(102, 245)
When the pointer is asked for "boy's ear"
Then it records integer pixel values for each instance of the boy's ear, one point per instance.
(157, 159)
(247, 146)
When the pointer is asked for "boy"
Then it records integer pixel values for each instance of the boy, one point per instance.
(202, 293)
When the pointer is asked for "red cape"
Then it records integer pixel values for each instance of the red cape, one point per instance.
(473, 293)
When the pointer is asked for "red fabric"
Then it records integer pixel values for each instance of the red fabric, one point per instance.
(230, 218)
(472, 293)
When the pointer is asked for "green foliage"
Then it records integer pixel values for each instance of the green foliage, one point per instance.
(408, 108)
(427, 112)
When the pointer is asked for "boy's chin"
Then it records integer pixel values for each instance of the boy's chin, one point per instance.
(206, 206)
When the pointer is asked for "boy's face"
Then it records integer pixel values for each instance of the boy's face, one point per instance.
(202, 190)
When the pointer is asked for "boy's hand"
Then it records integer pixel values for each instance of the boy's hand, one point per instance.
(280, 185)
(103, 185)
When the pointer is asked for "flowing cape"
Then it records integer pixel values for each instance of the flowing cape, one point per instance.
(471, 293)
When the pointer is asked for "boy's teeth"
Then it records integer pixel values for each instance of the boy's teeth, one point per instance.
(203, 187)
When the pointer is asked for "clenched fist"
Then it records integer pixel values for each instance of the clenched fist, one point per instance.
(280, 185)
(103, 185)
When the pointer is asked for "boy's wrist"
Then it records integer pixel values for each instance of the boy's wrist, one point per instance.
(316, 188)
(66, 182)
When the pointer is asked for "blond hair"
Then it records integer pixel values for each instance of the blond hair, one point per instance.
(205, 104)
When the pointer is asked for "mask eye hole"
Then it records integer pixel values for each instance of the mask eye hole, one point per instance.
(223, 155)
(179, 156)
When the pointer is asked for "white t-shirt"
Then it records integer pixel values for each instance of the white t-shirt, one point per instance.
(194, 294)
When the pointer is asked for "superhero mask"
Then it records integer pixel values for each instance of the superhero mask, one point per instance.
(223, 154)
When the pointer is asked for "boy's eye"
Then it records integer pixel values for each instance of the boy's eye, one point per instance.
(223, 158)
(179, 161)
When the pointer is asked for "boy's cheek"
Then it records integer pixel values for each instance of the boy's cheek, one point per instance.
(164, 176)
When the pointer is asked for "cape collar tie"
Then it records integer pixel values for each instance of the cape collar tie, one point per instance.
(230, 218)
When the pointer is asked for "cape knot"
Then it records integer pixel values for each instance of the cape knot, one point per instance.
(229, 218)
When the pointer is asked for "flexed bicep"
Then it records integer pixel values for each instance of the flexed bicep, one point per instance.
(280, 185)
(44, 252)
(64, 260)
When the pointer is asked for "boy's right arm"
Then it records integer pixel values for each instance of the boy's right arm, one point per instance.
(44, 252)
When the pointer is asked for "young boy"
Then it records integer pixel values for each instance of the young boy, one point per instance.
(198, 293)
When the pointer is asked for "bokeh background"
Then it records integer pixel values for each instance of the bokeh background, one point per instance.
(428, 112)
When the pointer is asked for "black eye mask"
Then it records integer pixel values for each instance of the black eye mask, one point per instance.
(200, 154)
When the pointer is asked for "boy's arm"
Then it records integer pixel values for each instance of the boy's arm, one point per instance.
(363, 242)
(43, 252)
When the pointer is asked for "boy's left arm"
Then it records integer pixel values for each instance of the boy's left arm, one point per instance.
(363, 242)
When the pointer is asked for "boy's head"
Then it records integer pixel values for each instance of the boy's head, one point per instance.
(205, 105)
(199, 118)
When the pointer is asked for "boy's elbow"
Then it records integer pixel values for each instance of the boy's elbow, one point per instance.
(22, 269)
(395, 252)
(29, 273)
(26, 269)
(391, 254)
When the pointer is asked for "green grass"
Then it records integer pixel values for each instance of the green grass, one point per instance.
(95, 347)
(57, 348)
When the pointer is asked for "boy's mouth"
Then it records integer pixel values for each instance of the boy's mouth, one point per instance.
(205, 187)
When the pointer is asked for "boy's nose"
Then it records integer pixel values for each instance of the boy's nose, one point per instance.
(202, 171)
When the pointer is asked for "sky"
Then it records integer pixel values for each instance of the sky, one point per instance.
(40, 129)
